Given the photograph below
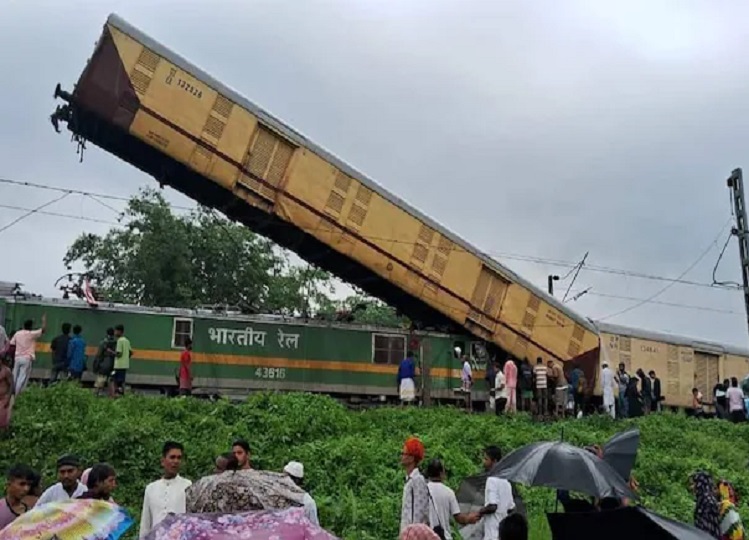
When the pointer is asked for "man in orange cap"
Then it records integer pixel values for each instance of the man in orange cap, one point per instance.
(415, 505)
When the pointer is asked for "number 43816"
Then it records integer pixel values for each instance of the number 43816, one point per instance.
(270, 373)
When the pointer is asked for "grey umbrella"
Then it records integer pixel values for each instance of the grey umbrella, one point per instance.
(621, 452)
(621, 524)
(561, 465)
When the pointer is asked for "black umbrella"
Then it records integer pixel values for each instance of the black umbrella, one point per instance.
(562, 466)
(621, 452)
(621, 524)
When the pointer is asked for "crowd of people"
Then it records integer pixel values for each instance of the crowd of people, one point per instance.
(167, 495)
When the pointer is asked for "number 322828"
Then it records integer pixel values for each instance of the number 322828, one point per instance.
(270, 373)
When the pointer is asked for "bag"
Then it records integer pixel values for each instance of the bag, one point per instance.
(438, 530)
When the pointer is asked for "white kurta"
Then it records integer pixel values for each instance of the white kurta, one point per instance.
(162, 498)
(607, 383)
(57, 493)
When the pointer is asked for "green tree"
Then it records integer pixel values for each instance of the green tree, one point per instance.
(159, 258)
(362, 309)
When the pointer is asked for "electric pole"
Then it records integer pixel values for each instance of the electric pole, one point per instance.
(552, 279)
(736, 184)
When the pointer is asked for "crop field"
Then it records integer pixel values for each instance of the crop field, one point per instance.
(350, 458)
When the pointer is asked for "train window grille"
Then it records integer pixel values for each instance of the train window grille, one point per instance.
(181, 330)
(388, 349)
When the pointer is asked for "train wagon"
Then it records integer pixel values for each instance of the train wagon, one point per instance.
(235, 355)
(152, 108)
(682, 363)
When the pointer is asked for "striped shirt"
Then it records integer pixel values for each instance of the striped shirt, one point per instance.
(541, 371)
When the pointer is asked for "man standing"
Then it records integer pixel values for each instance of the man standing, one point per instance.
(540, 375)
(415, 503)
(500, 390)
(498, 499)
(167, 495)
(607, 385)
(526, 385)
(76, 354)
(466, 377)
(646, 392)
(104, 361)
(295, 471)
(122, 355)
(655, 385)
(406, 379)
(552, 375)
(444, 507)
(622, 379)
(59, 347)
(241, 451)
(25, 343)
(68, 486)
(185, 369)
(511, 380)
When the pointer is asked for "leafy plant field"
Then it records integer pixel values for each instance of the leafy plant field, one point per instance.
(351, 458)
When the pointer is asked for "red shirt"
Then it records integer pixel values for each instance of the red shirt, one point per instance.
(185, 374)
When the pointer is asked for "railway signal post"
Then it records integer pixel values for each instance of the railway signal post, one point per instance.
(736, 185)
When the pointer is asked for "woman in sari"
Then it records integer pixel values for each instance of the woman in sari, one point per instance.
(706, 509)
(731, 526)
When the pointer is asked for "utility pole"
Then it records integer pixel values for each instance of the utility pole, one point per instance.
(552, 279)
(736, 184)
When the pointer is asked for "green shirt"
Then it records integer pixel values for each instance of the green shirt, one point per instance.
(123, 352)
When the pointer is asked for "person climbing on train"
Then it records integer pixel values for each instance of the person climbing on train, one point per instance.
(25, 343)
(407, 379)
(511, 380)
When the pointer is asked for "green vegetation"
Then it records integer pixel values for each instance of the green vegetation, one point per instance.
(351, 458)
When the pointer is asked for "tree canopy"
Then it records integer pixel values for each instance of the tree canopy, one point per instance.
(161, 258)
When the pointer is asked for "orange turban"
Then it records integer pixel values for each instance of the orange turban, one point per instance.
(415, 448)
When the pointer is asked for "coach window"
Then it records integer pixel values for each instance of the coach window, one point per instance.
(388, 348)
(181, 330)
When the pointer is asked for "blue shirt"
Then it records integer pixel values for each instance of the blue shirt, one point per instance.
(407, 369)
(76, 354)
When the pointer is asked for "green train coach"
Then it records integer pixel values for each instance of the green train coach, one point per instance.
(234, 355)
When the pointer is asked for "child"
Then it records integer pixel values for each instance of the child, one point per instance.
(16, 488)
(6, 396)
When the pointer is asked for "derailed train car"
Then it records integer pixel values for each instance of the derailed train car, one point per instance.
(152, 108)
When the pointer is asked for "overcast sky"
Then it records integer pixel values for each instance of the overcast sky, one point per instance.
(533, 129)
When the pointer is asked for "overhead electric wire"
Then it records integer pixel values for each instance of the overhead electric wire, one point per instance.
(664, 289)
(60, 214)
(31, 212)
(496, 255)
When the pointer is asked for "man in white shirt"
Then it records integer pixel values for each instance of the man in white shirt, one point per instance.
(498, 499)
(295, 471)
(68, 486)
(443, 505)
(607, 385)
(167, 495)
(500, 391)
(415, 502)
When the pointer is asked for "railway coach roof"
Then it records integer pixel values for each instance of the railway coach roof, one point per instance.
(664, 337)
(300, 140)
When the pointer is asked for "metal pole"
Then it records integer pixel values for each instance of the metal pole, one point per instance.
(552, 279)
(736, 184)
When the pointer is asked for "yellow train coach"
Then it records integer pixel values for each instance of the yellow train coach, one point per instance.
(152, 108)
(681, 363)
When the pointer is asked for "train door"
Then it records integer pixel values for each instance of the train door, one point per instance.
(705, 372)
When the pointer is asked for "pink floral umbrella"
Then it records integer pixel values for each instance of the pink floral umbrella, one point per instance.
(288, 524)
